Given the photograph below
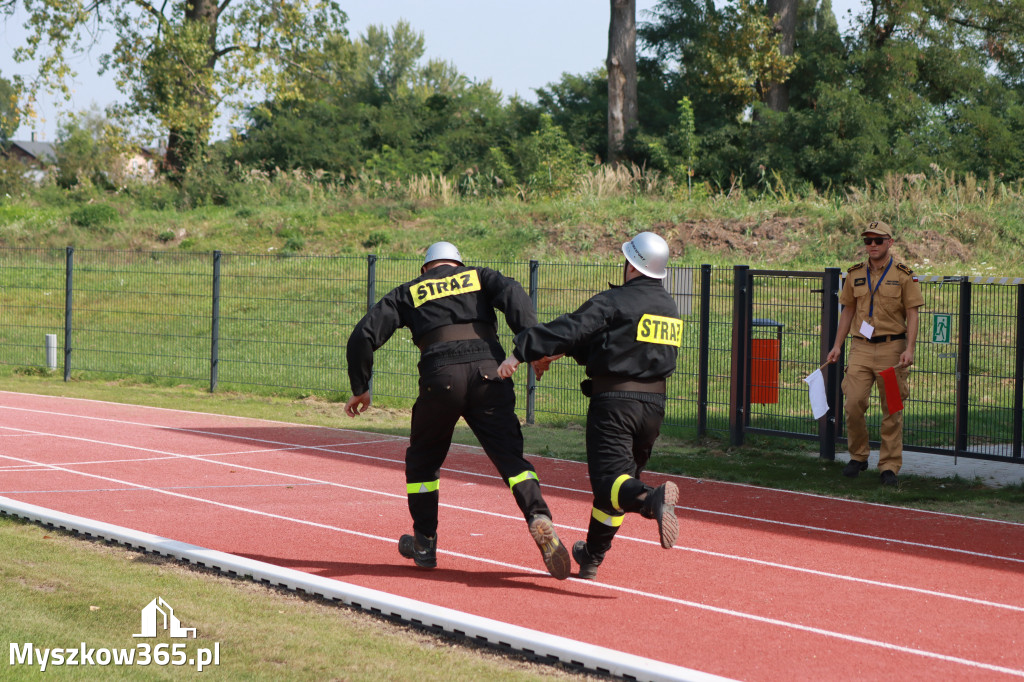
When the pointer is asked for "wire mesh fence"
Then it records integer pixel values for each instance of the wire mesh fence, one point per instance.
(141, 314)
(280, 324)
(785, 342)
(283, 322)
(31, 306)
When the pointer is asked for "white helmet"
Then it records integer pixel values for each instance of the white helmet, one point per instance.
(442, 251)
(648, 253)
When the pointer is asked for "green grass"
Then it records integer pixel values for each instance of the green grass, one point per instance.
(284, 320)
(60, 591)
(283, 324)
(945, 224)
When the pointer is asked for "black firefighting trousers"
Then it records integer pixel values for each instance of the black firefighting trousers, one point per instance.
(621, 430)
(474, 391)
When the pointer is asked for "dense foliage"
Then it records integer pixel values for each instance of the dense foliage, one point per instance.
(914, 87)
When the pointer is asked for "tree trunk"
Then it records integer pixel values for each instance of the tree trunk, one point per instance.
(186, 143)
(783, 13)
(622, 104)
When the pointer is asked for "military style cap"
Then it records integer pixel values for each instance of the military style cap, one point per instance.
(877, 227)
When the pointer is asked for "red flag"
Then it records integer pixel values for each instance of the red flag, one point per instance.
(892, 390)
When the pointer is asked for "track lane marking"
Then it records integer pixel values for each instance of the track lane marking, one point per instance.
(674, 600)
(24, 467)
(751, 560)
(794, 493)
(874, 538)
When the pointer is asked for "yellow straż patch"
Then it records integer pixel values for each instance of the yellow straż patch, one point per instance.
(433, 289)
(658, 329)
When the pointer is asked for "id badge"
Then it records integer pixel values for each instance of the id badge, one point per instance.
(866, 330)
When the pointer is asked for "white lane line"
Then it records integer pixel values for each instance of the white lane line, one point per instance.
(836, 576)
(479, 628)
(166, 487)
(233, 465)
(20, 467)
(179, 411)
(615, 588)
(862, 536)
(754, 519)
(793, 493)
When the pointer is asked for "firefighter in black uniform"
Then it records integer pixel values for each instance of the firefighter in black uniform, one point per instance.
(628, 338)
(449, 309)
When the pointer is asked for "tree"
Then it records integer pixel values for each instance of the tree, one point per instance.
(784, 14)
(622, 101)
(10, 116)
(84, 153)
(180, 61)
(578, 104)
(374, 106)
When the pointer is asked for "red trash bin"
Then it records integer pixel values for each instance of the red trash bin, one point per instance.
(765, 354)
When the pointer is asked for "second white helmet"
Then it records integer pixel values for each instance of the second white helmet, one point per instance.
(442, 251)
(648, 253)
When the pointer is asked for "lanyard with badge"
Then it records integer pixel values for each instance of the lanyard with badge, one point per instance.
(866, 328)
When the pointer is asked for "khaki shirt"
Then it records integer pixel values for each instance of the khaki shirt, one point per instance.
(894, 296)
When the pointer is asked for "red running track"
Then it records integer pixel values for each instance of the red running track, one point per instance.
(762, 585)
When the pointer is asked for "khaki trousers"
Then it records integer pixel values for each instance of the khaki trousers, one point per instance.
(863, 369)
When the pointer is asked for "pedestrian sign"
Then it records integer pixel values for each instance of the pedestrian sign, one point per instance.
(941, 325)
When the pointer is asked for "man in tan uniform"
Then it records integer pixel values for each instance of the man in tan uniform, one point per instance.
(880, 301)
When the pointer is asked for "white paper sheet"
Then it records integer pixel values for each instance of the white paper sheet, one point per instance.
(819, 399)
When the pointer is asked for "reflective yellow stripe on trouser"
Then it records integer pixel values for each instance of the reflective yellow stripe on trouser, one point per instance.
(525, 476)
(615, 490)
(607, 519)
(425, 487)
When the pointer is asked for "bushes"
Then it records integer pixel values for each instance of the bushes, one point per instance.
(12, 177)
(95, 217)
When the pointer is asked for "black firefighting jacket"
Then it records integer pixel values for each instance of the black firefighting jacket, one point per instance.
(444, 295)
(631, 331)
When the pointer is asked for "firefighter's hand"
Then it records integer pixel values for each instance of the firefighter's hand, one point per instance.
(542, 365)
(508, 368)
(352, 407)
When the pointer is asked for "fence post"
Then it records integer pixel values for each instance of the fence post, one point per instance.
(963, 369)
(1018, 385)
(69, 269)
(703, 350)
(371, 297)
(531, 380)
(829, 327)
(215, 323)
(738, 381)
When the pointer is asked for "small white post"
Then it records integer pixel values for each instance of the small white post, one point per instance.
(51, 351)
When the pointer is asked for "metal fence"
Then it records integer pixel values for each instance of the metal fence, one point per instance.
(280, 324)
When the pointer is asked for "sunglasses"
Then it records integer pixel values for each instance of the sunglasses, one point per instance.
(877, 241)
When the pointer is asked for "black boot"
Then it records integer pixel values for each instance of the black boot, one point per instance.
(419, 548)
(588, 564)
(660, 504)
(555, 556)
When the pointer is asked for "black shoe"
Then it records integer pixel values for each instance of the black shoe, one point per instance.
(554, 553)
(588, 564)
(660, 504)
(889, 478)
(419, 548)
(853, 467)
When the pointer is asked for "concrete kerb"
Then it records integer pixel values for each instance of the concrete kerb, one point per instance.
(991, 473)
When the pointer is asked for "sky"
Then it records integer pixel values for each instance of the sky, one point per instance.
(519, 46)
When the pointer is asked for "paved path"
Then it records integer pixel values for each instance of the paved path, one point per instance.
(945, 466)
